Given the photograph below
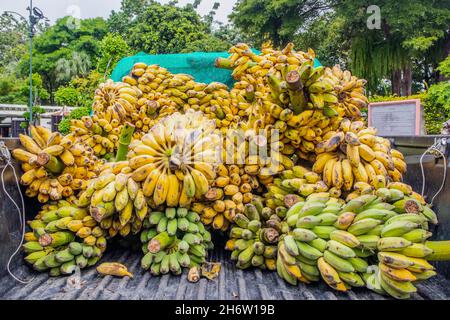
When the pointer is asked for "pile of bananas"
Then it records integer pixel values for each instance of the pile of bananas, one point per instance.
(63, 238)
(174, 239)
(349, 90)
(116, 201)
(55, 167)
(334, 240)
(298, 100)
(253, 239)
(115, 101)
(232, 189)
(165, 93)
(294, 185)
(99, 134)
(354, 159)
(174, 161)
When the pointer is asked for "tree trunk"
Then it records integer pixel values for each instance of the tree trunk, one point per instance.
(407, 81)
(396, 82)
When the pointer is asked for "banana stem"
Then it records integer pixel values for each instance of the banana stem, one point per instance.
(51, 163)
(124, 141)
(441, 250)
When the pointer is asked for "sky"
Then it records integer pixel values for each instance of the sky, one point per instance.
(54, 9)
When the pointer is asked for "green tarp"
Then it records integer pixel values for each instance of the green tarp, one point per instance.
(200, 65)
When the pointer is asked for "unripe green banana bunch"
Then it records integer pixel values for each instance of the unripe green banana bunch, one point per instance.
(63, 238)
(294, 185)
(253, 239)
(402, 252)
(173, 240)
(317, 245)
(116, 202)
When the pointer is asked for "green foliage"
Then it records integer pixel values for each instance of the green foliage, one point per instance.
(323, 36)
(65, 50)
(112, 48)
(208, 44)
(67, 96)
(64, 126)
(276, 20)
(78, 113)
(14, 90)
(444, 67)
(166, 29)
(437, 107)
(411, 32)
(396, 98)
(37, 112)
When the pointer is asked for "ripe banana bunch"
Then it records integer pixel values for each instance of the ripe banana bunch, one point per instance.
(349, 91)
(116, 201)
(175, 160)
(173, 240)
(115, 101)
(165, 93)
(62, 239)
(54, 166)
(231, 190)
(292, 186)
(354, 159)
(99, 134)
(288, 93)
(254, 237)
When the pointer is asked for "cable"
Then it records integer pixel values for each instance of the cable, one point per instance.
(433, 148)
(4, 153)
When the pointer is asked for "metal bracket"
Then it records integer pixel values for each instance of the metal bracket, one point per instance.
(441, 145)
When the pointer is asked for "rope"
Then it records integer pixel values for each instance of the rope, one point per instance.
(435, 149)
(4, 153)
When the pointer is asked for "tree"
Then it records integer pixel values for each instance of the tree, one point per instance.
(149, 26)
(276, 20)
(209, 43)
(112, 48)
(65, 50)
(410, 32)
(324, 36)
(166, 29)
(13, 40)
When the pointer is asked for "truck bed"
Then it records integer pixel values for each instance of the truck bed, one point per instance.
(231, 284)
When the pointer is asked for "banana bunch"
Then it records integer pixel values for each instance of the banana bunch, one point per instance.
(99, 134)
(293, 185)
(293, 97)
(254, 237)
(54, 166)
(115, 101)
(231, 190)
(115, 200)
(349, 91)
(174, 239)
(165, 93)
(175, 160)
(63, 238)
(402, 256)
(355, 159)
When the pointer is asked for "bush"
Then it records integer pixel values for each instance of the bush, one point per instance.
(437, 107)
(66, 96)
(78, 113)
